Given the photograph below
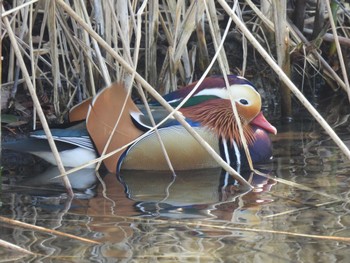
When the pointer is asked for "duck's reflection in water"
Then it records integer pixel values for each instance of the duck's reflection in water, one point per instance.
(192, 194)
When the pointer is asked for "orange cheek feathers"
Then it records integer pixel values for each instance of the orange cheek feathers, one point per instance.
(248, 113)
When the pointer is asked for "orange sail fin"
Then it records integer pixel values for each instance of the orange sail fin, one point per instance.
(104, 112)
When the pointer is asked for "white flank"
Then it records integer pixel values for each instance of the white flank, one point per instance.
(70, 158)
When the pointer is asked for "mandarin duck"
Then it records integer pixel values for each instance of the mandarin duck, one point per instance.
(209, 111)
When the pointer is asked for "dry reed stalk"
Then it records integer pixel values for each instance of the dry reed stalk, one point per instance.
(244, 43)
(32, 59)
(52, 27)
(41, 51)
(122, 16)
(203, 54)
(185, 30)
(13, 247)
(340, 54)
(216, 35)
(151, 42)
(163, 77)
(99, 18)
(178, 11)
(282, 50)
(178, 25)
(17, 7)
(12, 63)
(107, 16)
(98, 54)
(37, 103)
(85, 58)
(44, 230)
(20, 32)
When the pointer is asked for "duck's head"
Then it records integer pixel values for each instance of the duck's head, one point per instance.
(211, 106)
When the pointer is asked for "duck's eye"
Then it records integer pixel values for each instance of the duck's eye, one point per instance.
(243, 101)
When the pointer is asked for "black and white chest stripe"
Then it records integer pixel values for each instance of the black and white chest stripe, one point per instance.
(231, 154)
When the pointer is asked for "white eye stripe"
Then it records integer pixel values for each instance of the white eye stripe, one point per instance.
(223, 93)
(218, 92)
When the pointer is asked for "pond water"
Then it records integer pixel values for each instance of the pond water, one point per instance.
(299, 213)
